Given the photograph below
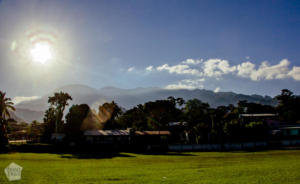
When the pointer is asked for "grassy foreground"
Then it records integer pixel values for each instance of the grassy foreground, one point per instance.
(203, 167)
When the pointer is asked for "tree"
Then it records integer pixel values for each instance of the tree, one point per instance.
(35, 131)
(161, 112)
(5, 106)
(59, 102)
(180, 101)
(108, 113)
(256, 131)
(74, 121)
(135, 118)
(218, 120)
(234, 130)
(232, 127)
(177, 101)
(198, 118)
(49, 124)
(288, 106)
(254, 108)
(152, 115)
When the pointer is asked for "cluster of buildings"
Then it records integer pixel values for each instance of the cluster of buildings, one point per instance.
(122, 138)
(279, 130)
(177, 133)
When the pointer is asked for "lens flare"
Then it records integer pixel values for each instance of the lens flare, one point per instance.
(40, 47)
(41, 52)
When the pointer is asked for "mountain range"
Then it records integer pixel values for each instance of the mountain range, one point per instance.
(128, 98)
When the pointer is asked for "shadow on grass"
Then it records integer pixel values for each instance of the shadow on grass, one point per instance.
(101, 152)
(164, 153)
(87, 152)
(267, 149)
(79, 152)
(100, 155)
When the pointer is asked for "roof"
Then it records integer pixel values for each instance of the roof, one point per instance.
(258, 115)
(177, 123)
(163, 132)
(106, 132)
(290, 128)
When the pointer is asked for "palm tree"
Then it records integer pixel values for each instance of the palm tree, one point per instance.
(59, 101)
(5, 105)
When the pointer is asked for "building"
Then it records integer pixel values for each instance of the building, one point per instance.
(293, 131)
(127, 139)
(257, 117)
(149, 139)
(179, 133)
(57, 137)
(268, 118)
(107, 137)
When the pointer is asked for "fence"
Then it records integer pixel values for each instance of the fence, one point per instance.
(233, 146)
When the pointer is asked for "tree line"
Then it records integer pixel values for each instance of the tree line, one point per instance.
(203, 124)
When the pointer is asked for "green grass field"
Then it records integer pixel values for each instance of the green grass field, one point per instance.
(201, 167)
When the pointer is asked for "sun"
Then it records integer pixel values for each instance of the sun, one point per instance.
(41, 52)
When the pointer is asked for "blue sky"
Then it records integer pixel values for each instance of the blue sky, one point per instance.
(249, 47)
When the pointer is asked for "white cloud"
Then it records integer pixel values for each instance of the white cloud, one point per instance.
(187, 84)
(265, 71)
(217, 90)
(193, 61)
(179, 69)
(19, 99)
(149, 68)
(217, 67)
(278, 71)
(295, 73)
(245, 69)
(130, 69)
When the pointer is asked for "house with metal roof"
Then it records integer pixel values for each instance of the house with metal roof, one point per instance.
(107, 137)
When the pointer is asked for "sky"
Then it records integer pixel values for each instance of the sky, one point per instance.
(249, 47)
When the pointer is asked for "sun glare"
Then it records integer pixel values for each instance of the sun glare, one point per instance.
(41, 52)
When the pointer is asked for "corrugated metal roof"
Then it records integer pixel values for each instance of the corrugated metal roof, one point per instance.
(287, 128)
(177, 123)
(106, 132)
(123, 132)
(152, 132)
(257, 115)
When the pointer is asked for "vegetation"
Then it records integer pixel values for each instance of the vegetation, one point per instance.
(49, 124)
(59, 102)
(109, 112)
(53, 116)
(35, 131)
(203, 124)
(288, 106)
(211, 125)
(266, 167)
(5, 106)
(74, 120)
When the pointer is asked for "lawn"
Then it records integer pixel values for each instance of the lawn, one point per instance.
(202, 167)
